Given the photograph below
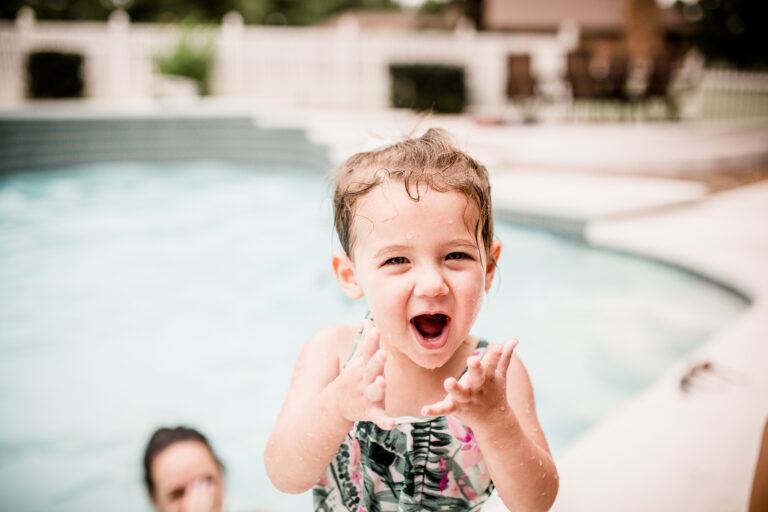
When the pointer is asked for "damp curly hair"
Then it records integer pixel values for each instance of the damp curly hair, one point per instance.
(431, 161)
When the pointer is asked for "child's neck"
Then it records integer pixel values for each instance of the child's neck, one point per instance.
(410, 386)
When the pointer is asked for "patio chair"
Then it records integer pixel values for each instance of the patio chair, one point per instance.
(658, 86)
(578, 76)
(615, 84)
(520, 80)
(522, 88)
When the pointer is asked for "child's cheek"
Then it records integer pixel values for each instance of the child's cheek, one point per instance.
(475, 294)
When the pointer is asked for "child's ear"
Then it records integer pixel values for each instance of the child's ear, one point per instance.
(344, 271)
(490, 267)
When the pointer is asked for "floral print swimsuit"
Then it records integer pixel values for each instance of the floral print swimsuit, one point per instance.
(424, 463)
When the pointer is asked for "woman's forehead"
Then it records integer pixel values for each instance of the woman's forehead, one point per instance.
(180, 463)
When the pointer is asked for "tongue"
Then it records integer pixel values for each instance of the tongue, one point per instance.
(429, 326)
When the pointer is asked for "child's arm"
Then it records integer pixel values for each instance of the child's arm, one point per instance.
(494, 397)
(322, 406)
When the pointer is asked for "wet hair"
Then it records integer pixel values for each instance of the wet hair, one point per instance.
(431, 161)
(162, 439)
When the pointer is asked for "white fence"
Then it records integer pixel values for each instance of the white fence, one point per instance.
(723, 93)
(333, 67)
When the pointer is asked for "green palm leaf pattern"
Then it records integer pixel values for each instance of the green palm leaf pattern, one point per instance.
(415, 467)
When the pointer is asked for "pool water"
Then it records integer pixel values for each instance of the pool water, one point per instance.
(137, 295)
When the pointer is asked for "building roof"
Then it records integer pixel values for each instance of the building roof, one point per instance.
(548, 14)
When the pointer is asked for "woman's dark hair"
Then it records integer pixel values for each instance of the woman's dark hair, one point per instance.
(162, 439)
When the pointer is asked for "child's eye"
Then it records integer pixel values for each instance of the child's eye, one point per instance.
(458, 256)
(397, 260)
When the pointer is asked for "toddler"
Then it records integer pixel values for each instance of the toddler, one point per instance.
(411, 412)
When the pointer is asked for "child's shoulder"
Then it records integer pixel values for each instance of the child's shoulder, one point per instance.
(335, 340)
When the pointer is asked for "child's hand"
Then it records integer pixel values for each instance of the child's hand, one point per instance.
(480, 390)
(361, 385)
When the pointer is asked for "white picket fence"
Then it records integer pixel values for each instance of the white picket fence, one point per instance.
(724, 94)
(316, 66)
(328, 66)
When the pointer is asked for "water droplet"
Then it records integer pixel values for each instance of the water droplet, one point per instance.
(557, 477)
(543, 476)
(533, 457)
(502, 408)
(450, 221)
(544, 493)
(541, 462)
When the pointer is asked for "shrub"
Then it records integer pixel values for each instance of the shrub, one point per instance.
(435, 87)
(192, 57)
(52, 74)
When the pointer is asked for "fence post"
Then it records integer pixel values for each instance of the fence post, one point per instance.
(229, 61)
(347, 82)
(25, 27)
(118, 25)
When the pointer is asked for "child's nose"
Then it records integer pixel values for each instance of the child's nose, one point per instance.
(430, 283)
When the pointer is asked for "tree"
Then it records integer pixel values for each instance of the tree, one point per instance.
(730, 31)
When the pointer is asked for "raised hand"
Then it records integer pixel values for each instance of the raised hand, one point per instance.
(200, 496)
(361, 385)
(480, 390)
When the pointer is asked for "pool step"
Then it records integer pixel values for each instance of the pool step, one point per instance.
(44, 142)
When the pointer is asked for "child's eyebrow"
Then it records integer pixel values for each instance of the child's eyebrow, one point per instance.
(390, 249)
(461, 242)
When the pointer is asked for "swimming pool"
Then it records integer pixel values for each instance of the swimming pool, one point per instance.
(136, 295)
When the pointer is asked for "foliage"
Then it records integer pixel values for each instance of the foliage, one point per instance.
(435, 87)
(275, 12)
(192, 57)
(52, 74)
(730, 31)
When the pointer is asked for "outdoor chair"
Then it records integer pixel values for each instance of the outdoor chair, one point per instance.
(578, 76)
(658, 85)
(521, 85)
(520, 80)
(595, 87)
(614, 86)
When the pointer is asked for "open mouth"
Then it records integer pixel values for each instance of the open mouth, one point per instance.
(430, 327)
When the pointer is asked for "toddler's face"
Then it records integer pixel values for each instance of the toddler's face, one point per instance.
(421, 268)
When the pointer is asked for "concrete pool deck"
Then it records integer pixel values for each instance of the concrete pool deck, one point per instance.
(665, 449)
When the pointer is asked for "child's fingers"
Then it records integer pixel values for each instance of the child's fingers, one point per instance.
(380, 418)
(374, 392)
(456, 390)
(375, 366)
(370, 342)
(474, 377)
(491, 359)
(441, 408)
(506, 357)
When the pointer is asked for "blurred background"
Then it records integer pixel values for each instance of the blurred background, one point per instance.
(165, 223)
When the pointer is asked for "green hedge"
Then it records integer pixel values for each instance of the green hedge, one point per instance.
(435, 87)
(52, 74)
(192, 57)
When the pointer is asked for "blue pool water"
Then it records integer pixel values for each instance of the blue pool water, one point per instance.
(135, 295)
